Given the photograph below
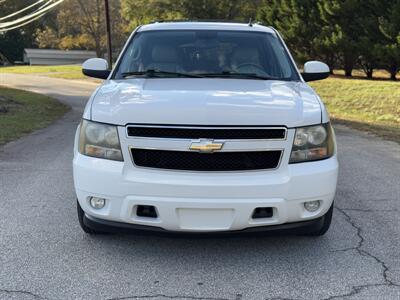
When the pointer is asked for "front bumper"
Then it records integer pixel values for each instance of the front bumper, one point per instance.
(204, 201)
(101, 225)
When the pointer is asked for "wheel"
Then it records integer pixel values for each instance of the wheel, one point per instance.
(81, 215)
(326, 223)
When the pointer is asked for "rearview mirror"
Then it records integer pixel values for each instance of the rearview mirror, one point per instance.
(96, 67)
(315, 70)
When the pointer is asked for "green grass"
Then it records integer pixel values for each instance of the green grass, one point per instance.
(22, 112)
(364, 104)
(70, 75)
(67, 71)
(40, 69)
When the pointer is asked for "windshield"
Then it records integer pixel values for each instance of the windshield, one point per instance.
(206, 53)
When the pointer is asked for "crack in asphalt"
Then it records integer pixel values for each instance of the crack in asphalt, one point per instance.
(281, 298)
(353, 291)
(363, 252)
(238, 297)
(35, 296)
(358, 288)
(369, 210)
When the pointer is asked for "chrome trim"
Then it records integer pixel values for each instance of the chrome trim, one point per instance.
(220, 151)
(206, 127)
(282, 150)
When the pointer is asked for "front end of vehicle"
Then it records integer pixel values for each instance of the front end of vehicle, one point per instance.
(149, 176)
(205, 127)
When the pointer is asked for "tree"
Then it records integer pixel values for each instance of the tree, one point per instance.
(144, 11)
(371, 37)
(389, 25)
(13, 42)
(290, 17)
(219, 9)
(81, 25)
(345, 17)
(138, 12)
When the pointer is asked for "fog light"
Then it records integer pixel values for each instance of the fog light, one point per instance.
(312, 206)
(97, 203)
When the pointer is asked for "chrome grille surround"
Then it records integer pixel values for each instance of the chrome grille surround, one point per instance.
(230, 145)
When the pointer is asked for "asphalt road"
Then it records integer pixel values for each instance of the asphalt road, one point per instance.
(45, 255)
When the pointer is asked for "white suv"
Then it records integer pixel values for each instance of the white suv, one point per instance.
(205, 127)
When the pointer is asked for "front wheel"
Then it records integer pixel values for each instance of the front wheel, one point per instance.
(326, 223)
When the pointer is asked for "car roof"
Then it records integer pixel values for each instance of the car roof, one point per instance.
(201, 25)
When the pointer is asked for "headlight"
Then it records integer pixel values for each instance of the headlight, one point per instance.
(312, 143)
(99, 140)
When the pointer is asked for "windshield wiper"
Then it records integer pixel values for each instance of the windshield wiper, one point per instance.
(157, 73)
(230, 74)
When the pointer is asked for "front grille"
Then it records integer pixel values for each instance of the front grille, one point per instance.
(207, 133)
(195, 161)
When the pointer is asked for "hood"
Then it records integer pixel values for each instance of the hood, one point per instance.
(206, 101)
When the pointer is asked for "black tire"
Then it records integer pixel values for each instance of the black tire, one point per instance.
(81, 216)
(326, 223)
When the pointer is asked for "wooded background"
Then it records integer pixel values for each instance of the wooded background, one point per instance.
(346, 34)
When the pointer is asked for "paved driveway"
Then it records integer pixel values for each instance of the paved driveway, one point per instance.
(45, 255)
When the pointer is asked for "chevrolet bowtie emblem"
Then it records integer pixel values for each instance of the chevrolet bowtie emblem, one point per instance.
(205, 146)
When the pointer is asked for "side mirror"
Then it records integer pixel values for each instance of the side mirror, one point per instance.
(315, 70)
(96, 67)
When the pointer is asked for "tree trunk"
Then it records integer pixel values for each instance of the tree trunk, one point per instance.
(370, 72)
(348, 71)
(99, 52)
(348, 66)
(393, 71)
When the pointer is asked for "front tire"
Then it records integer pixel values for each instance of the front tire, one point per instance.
(326, 223)
(81, 216)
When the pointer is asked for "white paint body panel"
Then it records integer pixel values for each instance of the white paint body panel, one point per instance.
(315, 67)
(205, 26)
(98, 64)
(232, 196)
(206, 101)
(204, 201)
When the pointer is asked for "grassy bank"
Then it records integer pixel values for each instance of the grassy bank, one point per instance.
(363, 104)
(359, 74)
(67, 71)
(23, 112)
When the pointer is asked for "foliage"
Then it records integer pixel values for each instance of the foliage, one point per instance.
(219, 9)
(145, 11)
(12, 43)
(346, 34)
(343, 33)
(81, 25)
(289, 18)
(389, 25)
